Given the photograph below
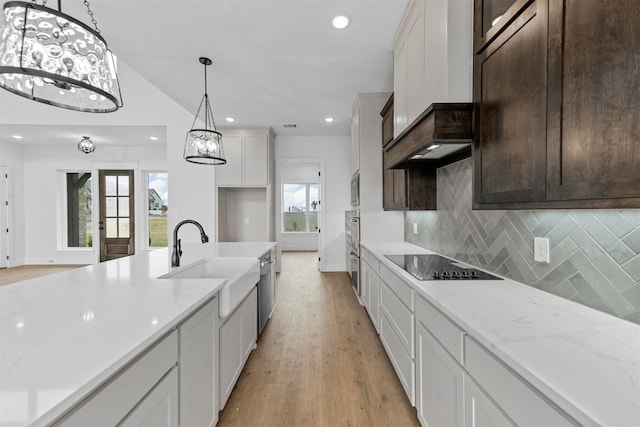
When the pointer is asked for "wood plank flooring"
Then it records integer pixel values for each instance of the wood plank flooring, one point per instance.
(319, 361)
(24, 272)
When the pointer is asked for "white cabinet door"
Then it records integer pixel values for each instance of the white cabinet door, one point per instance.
(415, 65)
(479, 410)
(439, 383)
(198, 365)
(401, 360)
(237, 338)
(113, 401)
(373, 286)
(365, 280)
(399, 316)
(255, 154)
(373, 307)
(249, 324)
(521, 402)
(355, 138)
(400, 76)
(231, 173)
(159, 408)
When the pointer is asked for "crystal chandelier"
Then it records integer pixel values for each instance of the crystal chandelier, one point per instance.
(86, 145)
(204, 146)
(53, 58)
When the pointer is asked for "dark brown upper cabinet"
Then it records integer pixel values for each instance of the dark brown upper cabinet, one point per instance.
(557, 104)
(394, 188)
(439, 136)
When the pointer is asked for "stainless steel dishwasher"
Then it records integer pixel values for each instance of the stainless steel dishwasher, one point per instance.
(266, 291)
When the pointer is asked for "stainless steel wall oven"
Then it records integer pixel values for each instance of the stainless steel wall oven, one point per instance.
(353, 246)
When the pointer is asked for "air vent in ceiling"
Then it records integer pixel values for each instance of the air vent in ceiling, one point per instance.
(290, 125)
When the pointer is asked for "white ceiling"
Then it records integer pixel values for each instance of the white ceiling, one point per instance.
(274, 61)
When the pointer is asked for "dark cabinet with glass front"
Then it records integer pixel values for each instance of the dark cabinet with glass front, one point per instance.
(556, 104)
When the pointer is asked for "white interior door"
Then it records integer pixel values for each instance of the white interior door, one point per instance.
(4, 217)
(318, 227)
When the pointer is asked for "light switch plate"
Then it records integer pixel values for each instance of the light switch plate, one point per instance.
(415, 228)
(246, 221)
(541, 249)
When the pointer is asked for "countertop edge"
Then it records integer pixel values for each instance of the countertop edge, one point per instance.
(562, 401)
(104, 377)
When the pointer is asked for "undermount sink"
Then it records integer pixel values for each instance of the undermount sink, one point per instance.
(242, 274)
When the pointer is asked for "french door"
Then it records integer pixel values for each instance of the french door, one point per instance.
(117, 227)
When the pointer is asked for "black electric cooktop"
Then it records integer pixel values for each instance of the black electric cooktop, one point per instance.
(437, 267)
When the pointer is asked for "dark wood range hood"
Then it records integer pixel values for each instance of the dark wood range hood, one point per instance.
(442, 134)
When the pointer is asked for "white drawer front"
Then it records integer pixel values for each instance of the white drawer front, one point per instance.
(399, 287)
(400, 359)
(448, 333)
(517, 399)
(111, 403)
(370, 259)
(398, 315)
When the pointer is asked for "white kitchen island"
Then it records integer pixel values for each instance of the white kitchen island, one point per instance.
(64, 336)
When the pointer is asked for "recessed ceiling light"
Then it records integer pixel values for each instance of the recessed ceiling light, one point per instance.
(230, 119)
(340, 22)
(329, 119)
(17, 136)
(153, 138)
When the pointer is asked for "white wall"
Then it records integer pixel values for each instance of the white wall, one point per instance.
(335, 152)
(295, 173)
(43, 213)
(191, 186)
(11, 156)
(242, 215)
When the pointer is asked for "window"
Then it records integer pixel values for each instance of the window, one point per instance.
(300, 207)
(79, 219)
(158, 207)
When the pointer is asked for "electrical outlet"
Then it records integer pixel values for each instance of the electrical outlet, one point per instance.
(541, 249)
(246, 221)
(415, 228)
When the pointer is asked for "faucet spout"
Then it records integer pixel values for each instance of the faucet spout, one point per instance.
(177, 247)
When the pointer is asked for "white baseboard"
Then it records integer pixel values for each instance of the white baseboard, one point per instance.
(330, 268)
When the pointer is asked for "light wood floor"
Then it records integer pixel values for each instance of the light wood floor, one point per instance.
(319, 361)
(24, 272)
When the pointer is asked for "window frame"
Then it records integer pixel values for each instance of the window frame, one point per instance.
(145, 184)
(63, 212)
(307, 211)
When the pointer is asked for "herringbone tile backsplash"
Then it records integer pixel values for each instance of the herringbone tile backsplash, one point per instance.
(594, 253)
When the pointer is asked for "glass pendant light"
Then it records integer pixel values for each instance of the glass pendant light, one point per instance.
(204, 146)
(53, 58)
(86, 145)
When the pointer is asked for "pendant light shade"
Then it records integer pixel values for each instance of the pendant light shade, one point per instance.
(53, 58)
(86, 145)
(204, 146)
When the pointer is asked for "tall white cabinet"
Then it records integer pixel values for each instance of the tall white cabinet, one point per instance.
(366, 150)
(245, 186)
(432, 57)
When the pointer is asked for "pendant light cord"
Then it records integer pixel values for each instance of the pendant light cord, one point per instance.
(206, 97)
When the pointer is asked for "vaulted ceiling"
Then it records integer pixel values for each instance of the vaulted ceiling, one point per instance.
(274, 61)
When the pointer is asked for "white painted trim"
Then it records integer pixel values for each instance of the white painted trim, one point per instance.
(321, 242)
(4, 224)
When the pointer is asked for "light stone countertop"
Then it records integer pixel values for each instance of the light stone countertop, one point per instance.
(584, 360)
(63, 335)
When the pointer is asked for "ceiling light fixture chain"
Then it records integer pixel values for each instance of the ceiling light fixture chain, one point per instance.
(90, 13)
